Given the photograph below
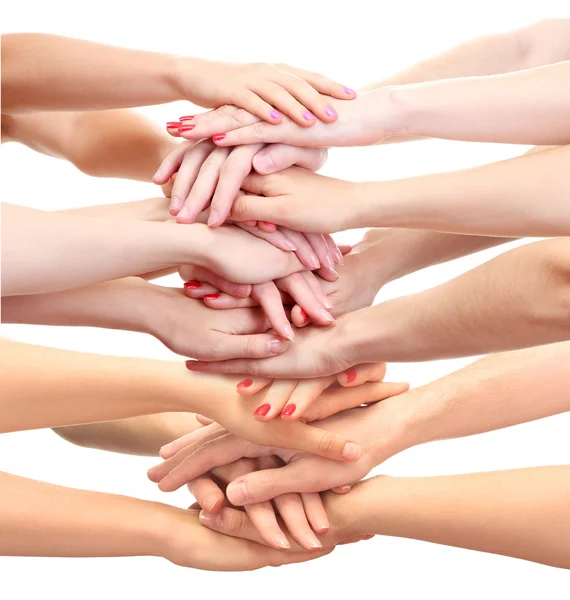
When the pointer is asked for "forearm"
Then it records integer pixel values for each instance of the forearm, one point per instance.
(525, 107)
(44, 252)
(521, 513)
(48, 72)
(541, 43)
(41, 519)
(524, 292)
(142, 436)
(70, 388)
(523, 196)
(151, 209)
(117, 143)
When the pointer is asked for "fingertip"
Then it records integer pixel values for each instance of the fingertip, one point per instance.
(166, 451)
(351, 452)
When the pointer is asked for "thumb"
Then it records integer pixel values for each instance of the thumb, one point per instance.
(324, 443)
(247, 207)
(277, 157)
(262, 345)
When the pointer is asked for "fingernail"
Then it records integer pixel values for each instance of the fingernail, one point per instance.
(263, 410)
(349, 91)
(237, 494)
(186, 128)
(308, 116)
(339, 256)
(331, 112)
(270, 224)
(186, 118)
(289, 410)
(213, 217)
(289, 245)
(313, 261)
(288, 331)
(350, 375)
(276, 346)
(313, 542)
(327, 304)
(264, 163)
(175, 203)
(274, 114)
(329, 260)
(304, 316)
(184, 213)
(218, 137)
(326, 316)
(323, 526)
(245, 383)
(193, 284)
(281, 541)
(208, 518)
(173, 125)
(166, 448)
(351, 451)
(211, 296)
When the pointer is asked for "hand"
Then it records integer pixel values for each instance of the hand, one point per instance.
(300, 200)
(366, 120)
(299, 512)
(205, 172)
(187, 543)
(381, 430)
(260, 89)
(294, 399)
(303, 288)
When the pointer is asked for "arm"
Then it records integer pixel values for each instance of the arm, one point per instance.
(111, 143)
(142, 436)
(43, 252)
(41, 519)
(524, 292)
(520, 513)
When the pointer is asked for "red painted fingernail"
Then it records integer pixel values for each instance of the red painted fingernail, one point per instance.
(289, 410)
(192, 284)
(270, 224)
(245, 383)
(218, 137)
(186, 118)
(186, 128)
(350, 375)
(263, 410)
(173, 124)
(215, 297)
(304, 316)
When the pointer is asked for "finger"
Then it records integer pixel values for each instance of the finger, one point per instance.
(203, 421)
(269, 298)
(344, 249)
(207, 493)
(342, 489)
(333, 249)
(315, 104)
(320, 248)
(197, 289)
(281, 97)
(337, 399)
(315, 511)
(275, 238)
(256, 133)
(239, 290)
(172, 128)
(328, 274)
(219, 121)
(296, 286)
(250, 387)
(317, 289)
(258, 105)
(186, 176)
(267, 227)
(306, 392)
(360, 374)
(201, 193)
(322, 84)
(299, 317)
(275, 399)
(292, 511)
(261, 345)
(169, 450)
(170, 164)
(234, 170)
(277, 157)
(225, 301)
(304, 251)
(264, 519)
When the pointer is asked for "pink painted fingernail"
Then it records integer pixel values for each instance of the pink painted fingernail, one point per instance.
(331, 112)
(349, 91)
(219, 137)
(274, 114)
(308, 116)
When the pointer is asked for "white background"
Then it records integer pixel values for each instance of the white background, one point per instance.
(355, 42)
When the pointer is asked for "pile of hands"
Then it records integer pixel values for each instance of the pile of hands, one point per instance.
(257, 473)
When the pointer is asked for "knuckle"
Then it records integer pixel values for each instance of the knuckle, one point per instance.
(226, 110)
(233, 522)
(259, 129)
(241, 117)
(327, 443)
(267, 484)
(250, 348)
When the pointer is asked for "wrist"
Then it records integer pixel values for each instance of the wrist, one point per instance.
(189, 244)
(389, 113)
